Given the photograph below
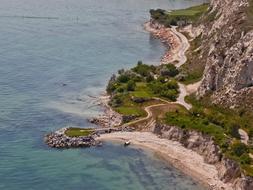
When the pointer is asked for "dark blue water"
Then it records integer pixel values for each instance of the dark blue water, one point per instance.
(54, 56)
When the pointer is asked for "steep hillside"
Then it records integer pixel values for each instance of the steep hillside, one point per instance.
(227, 53)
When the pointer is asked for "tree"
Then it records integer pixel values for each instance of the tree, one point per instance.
(169, 70)
(123, 78)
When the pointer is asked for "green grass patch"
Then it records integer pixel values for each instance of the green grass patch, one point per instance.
(78, 132)
(134, 110)
(142, 91)
(191, 11)
(186, 16)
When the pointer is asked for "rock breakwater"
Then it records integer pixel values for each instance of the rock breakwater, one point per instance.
(56, 140)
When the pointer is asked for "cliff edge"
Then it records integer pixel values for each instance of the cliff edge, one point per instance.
(227, 52)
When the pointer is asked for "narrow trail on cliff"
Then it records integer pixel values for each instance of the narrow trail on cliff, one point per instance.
(181, 58)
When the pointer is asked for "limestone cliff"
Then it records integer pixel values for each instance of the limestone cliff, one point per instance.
(227, 52)
(229, 171)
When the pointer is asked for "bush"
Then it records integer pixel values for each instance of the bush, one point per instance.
(111, 86)
(172, 84)
(238, 149)
(216, 118)
(149, 78)
(120, 89)
(143, 69)
(165, 89)
(169, 70)
(233, 130)
(123, 78)
(131, 85)
(170, 94)
(245, 159)
(116, 101)
(195, 111)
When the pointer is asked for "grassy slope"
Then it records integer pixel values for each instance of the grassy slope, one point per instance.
(187, 15)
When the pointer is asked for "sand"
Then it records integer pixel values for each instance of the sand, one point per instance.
(180, 157)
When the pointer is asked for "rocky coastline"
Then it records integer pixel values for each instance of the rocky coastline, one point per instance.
(228, 173)
(167, 37)
(109, 118)
(228, 170)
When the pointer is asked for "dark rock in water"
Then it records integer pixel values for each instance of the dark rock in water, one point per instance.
(56, 140)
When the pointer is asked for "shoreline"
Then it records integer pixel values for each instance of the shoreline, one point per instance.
(168, 37)
(185, 160)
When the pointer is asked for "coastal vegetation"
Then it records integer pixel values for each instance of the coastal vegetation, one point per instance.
(133, 89)
(178, 17)
(78, 132)
(220, 123)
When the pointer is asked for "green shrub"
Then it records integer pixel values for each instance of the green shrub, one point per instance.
(149, 78)
(170, 94)
(143, 69)
(116, 100)
(131, 85)
(233, 130)
(123, 78)
(169, 70)
(172, 84)
(111, 86)
(238, 149)
(245, 159)
(120, 89)
(165, 89)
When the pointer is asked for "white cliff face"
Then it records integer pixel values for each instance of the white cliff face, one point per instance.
(228, 53)
(228, 170)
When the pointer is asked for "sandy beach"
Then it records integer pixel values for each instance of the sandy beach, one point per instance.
(180, 157)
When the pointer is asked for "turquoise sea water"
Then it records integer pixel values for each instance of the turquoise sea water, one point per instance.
(55, 55)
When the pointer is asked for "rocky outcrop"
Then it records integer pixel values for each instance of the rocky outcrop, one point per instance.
(109, 118)
(227, 51)
(229, 171)
(56, 140)
(244, 183)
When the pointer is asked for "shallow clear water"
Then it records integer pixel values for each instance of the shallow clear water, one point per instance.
(80, 43)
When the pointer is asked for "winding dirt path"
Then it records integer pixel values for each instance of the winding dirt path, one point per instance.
(180, 57)
(149, 112)
(184, 46)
